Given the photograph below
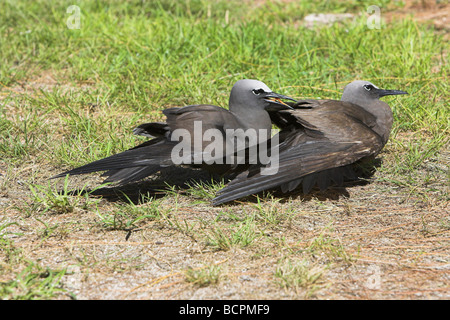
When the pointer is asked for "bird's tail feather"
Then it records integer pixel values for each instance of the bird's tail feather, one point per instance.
(137, 162)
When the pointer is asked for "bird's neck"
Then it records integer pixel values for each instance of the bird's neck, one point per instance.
(253, 118)
(385, 120)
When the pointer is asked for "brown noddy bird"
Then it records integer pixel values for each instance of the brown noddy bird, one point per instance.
(249, 103)
(320, 140)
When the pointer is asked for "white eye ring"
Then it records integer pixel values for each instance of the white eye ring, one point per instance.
(368, 87)
(258, 91)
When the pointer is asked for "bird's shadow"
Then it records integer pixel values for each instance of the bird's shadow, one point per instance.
(332, 193)
(180, 179)
(169, 180)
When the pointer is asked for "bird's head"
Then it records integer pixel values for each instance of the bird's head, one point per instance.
(253, 94)
(359, 91)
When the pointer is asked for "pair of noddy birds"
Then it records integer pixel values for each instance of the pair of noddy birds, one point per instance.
(319, 141)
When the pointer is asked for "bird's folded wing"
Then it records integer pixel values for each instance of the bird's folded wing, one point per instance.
(294, 163)
(210, 116)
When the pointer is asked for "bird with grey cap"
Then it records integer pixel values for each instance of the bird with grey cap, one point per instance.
(320, 141)
(249, 104)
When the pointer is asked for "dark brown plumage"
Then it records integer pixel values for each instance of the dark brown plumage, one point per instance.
(250, 101)
(319, 140)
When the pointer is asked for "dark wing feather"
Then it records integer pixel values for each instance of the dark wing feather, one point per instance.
(298, 162)
(152, 129)
(149, 157)
(153, 152)
(316, 147)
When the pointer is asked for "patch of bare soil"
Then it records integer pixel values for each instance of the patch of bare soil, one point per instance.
(435, 12)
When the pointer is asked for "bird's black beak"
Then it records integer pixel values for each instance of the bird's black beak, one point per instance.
(382, 92)
(275, 101)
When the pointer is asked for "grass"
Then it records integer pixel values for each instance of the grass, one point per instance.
(71, 96)
(203, 277)
(204, 190)
(299, 274)
(240, 234)
(271, 214)
(50, 198)
(332, 248)
(127, 217)
(29, 280)
(33, 283)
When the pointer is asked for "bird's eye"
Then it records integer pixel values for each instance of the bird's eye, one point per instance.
(368, 87)
(258, 91)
